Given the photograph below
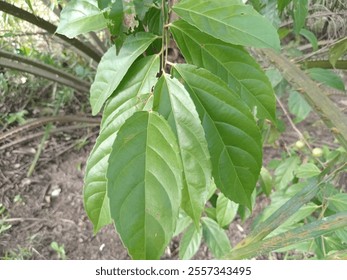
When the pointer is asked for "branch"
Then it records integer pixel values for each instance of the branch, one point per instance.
(22, 63)
(331, 115)
(51, 28)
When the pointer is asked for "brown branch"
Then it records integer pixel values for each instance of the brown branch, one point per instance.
(45, 120)
(37, 68)
(51, 28)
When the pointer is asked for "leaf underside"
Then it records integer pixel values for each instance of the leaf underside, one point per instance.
(79, 17)
(112, 68)
(144, 184)
(131, 97)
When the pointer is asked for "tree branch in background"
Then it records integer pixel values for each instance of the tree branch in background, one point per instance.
(333, 118)
(51, 28)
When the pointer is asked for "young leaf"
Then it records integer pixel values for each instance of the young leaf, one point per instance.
(229, 62)
(173, 102)
(28, 2)
(337, 50)
(266, 181)
(139, 80)
(144, 182)
(226, 210)
(307, 170)
(300, 11)
(183, 222)
(129, 98)
(282, 4)
(310, 37)
(232, 135)
(327, 77)
(338, 202)
(215, 237)
(298, 106)
(79, 17)
(113, 12)
(190, 242)
(142, 7)
(112, 68)
(229, 21)
(284, 173)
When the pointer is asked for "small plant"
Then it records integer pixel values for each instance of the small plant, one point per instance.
(4, 226)
(19, 253)
(59, 249)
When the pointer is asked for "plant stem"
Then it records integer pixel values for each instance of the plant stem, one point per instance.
(333, 118)
(295, 236)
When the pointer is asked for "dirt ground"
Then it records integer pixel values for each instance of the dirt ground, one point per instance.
(48, 206)
(39, 218)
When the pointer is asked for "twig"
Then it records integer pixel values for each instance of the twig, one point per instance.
(39, 134)
(292, 124)
(330, 114)
(42, 121)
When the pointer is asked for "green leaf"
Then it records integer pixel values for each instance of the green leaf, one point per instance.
(310, 37)
(232, 135)
(215, 237)
(129, 98)
(229, 21)
(112, 68)
(79, 17)
(144, 184)
(113, 12)
(190, 242)
(266, 181)
(183, 222)
(300, 11)
(142, 7)
(327, 77)
(231, 63)
(298, 106)
(257, 5)
(275, 77)
(226, 210)
(172, 101)
(284, 173)
(28, 2)
(337, 50)
(139, 80)
(307, 170)
(282, 4)
(211, 213)
(154, 21)
(338, 202)
(269, 11)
